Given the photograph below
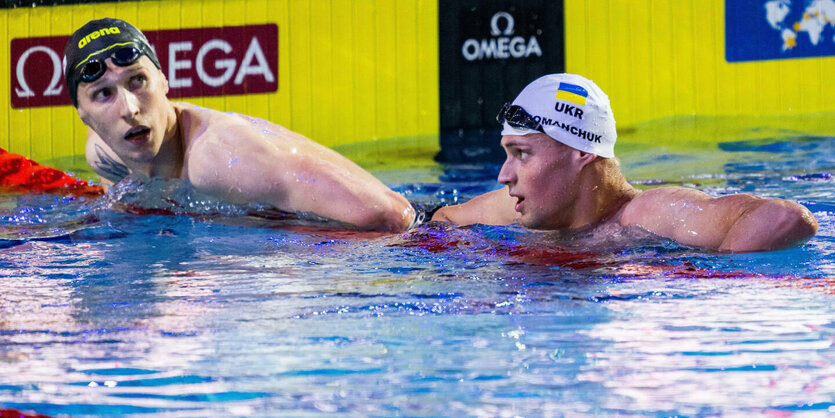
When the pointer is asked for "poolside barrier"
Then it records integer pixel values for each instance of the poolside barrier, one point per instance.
(433, 73)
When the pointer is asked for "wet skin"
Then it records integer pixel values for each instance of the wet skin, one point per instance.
(554, 187)
(128, 110)
(232, 157)
(542, 175)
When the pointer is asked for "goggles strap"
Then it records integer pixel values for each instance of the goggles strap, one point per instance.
(517, 117)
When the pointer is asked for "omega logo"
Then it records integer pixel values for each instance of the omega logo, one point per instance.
(494, 24)
(54, 87)
(253, 63)
(198, 62)
(501, 45)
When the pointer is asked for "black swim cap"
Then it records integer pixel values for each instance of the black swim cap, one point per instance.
(97, 39)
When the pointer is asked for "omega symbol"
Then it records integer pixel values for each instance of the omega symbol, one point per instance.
(54, 87)
(502, 44)
(494, 24)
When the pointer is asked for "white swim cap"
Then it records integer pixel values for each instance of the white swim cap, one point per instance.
(572, 110)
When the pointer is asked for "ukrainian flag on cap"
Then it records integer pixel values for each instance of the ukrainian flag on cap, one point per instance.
(572, 93)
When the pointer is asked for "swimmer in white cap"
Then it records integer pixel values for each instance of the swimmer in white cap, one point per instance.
(561, 174)
(114, 79)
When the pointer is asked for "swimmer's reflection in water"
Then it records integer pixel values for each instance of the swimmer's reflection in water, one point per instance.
(561, 174)
(115, 82)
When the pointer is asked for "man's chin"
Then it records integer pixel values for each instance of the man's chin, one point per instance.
(536, 223)
(137, 156)
(529, 222)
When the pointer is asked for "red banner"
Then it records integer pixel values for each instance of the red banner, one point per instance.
(198, 62)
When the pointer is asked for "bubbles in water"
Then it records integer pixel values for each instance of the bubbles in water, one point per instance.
(43, 216)
(140, 194)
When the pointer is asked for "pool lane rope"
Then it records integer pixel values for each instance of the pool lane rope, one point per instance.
(19, 174)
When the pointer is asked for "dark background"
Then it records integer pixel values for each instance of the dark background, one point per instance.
(472, 92)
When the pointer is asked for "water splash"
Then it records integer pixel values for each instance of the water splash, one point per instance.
(43, 216)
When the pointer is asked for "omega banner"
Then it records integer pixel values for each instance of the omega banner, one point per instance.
(198, 62)
(489, 50)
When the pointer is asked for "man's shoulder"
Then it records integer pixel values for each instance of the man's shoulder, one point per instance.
(651, 197)
(198, 118)
(205, 129)
(656, 202)
(667, 196)
(666, 192)
(202, 123)
(215, 138)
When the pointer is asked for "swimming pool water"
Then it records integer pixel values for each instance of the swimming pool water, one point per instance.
(107, 312)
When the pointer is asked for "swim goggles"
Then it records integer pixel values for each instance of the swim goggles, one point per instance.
(93, 69)
(517, 117)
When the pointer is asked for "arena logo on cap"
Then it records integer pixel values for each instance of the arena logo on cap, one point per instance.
(97, 34)
(198, 62)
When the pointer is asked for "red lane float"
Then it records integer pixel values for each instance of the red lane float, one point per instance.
(14, 413)
(437, 238)
(19, 174)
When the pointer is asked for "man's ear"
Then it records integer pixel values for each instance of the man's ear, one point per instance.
(585, 158)
(164, 82)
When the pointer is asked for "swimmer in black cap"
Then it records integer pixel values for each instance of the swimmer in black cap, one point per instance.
(561, 174)
(114, 80)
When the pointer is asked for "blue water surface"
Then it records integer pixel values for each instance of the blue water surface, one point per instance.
(213, 312)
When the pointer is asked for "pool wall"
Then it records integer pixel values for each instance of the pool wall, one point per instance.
(347, 71)
(690, 71)
(363, 72)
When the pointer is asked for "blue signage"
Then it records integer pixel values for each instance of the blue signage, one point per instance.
(759, 30)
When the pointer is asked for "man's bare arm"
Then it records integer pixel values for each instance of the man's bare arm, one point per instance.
(492, 208)
(336, 188)
(734, 223)
(295, 174)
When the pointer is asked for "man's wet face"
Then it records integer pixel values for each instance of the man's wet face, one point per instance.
(128, 109)
(541, 176)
